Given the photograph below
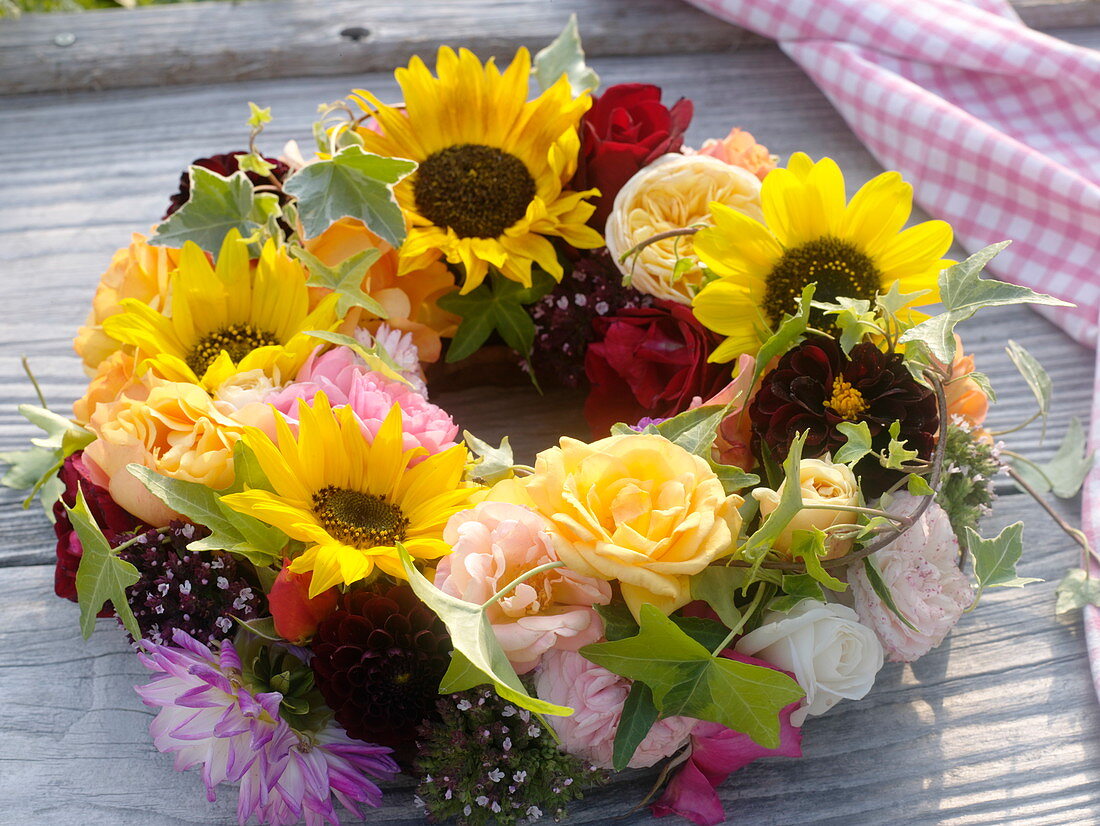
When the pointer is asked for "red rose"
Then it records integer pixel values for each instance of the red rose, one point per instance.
(296, 615)
(626, 129)
(649, 361)
(115, 523)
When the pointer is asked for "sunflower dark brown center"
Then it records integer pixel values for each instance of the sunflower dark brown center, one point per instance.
(478, 191)
(359, 519)
(237, 339)
(846, 401)
(838, 268)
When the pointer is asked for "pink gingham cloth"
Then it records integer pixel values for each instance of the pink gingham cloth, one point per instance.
(996, 126)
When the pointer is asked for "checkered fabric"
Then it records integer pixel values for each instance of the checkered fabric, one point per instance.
(996, 125)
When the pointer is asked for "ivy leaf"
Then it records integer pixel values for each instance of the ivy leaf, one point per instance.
(1076, 590)
(788, 332)
(918, 486)
(716, 585)
(102, 575)
(36, 468)
(217, 204)
(963, 292)
(686, 679)
(638, 716)
(897, 454)
(1036, 377)
(790, 503)
(982, 380)
(809, 546)
(893, 301)
(473, 639)
(254, 163)
(618, 622)
(796, 588)
(492, 464)
(351, 184)
(858, 444)
(995, 559)
(879, 586)
(496, 305)
(257, 117)
(345, 279)
(565, 56)
(853, 317)
(694, 430)
(733, 479)
(1066, 471)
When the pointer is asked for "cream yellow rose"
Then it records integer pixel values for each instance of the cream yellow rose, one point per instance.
(674, 192)
(176, 430)
(822, 484)
(632, 508)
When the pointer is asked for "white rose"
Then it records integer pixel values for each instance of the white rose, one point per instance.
(824, 646)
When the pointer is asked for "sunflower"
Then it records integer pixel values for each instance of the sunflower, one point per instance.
(352, 501)
(227, 319)
(810, 235)
(492, 165)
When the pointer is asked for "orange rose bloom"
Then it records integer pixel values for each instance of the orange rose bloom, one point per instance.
(965, 398)
(740, 148)
(409, 299)
(138, 271)
(114, 377)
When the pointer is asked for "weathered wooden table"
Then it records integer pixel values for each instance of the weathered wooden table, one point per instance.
(999, 725)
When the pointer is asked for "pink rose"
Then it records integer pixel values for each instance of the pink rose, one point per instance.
(495, 543)
(343, 377)
(597, 696)
(717, 752)
(921, 570)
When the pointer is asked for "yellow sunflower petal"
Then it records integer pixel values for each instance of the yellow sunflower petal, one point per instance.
(915, 250)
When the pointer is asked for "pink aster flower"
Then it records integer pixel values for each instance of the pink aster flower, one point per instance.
(494, 543)
(921, 570)
(717, 752)
(597, 697)
(342, 376)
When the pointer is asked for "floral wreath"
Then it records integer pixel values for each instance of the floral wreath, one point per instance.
(329, 585)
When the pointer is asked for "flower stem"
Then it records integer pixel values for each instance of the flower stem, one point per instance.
(893, 517)
(1075, 534)
(34, 382)
(740, 623)
(520, 580)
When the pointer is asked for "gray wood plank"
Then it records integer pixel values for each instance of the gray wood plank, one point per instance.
(998, 725)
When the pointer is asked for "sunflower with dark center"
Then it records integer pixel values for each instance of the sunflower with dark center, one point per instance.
(378, 660)
(811, 235)
(815, 387)
(490, 187)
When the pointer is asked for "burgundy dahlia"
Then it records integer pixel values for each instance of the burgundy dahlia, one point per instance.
(224, 165)
(378, 661)
(117, 525)
(815, 387)
(564, 317)
(626, 129)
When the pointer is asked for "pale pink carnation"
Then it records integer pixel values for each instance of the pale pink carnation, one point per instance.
(597, 697)
(495, 543)
(343, 377)
(921, 570)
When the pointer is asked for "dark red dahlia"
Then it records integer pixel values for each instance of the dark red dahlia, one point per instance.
(378, 661)
(225, 165)
(626, 129)
(117, 525)
(815, 387)
(564, 317)
(649, 361)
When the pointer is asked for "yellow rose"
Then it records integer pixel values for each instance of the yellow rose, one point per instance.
(138, 271)
(674, 192)
(632, 508)
(821, 483)
(175, 430)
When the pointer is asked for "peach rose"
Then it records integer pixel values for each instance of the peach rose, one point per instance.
(496, 542)
(176, 430)
(596, 697)
(139, 271)
(634, 508)
(965, 398)
(410, 300)
(115, 376)
(674, 192)
(741, 149)
(821, 483)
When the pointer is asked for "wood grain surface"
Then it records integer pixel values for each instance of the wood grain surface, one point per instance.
(997, 726)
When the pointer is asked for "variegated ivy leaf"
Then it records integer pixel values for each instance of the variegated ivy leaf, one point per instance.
(853, 317)
(1036, 377)
(36, 468)
(345, 279)
(491, 464)
(216, 205)
(858, 445)
(995, 559)
(565, 56)
(897, 454)
(1066, 471)
(1076, 590)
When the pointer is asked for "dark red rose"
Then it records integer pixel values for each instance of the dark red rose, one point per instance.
(224, 165)
(626, 129)
(115, 523)
(649, 361)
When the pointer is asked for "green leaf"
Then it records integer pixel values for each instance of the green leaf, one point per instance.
(565, 56)
(638, 716)
(247, 473)
(853, 317)
(687, 680)
(1076, 590)
(963, 292)
(883, 592)
(497, 304)
(790, 503)
(491, 464)
(102, 576)
(896, 453)
(796, 588)
(257, 117)
(706, 632)
(254, 163)
(351, 184)
(809, 546)
(264, 628)
(618, 622)
(377, 358)
(717, 586)
(982, 380)
(473, 638)
(733, 479)
(1036, 377)
(858, 444)
(894, 300)
(788, 332)
(918, 485)
(1066, 471)
(995, 559)
(216, 205)
(694, 430)
(35, 469)
(345, 279)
